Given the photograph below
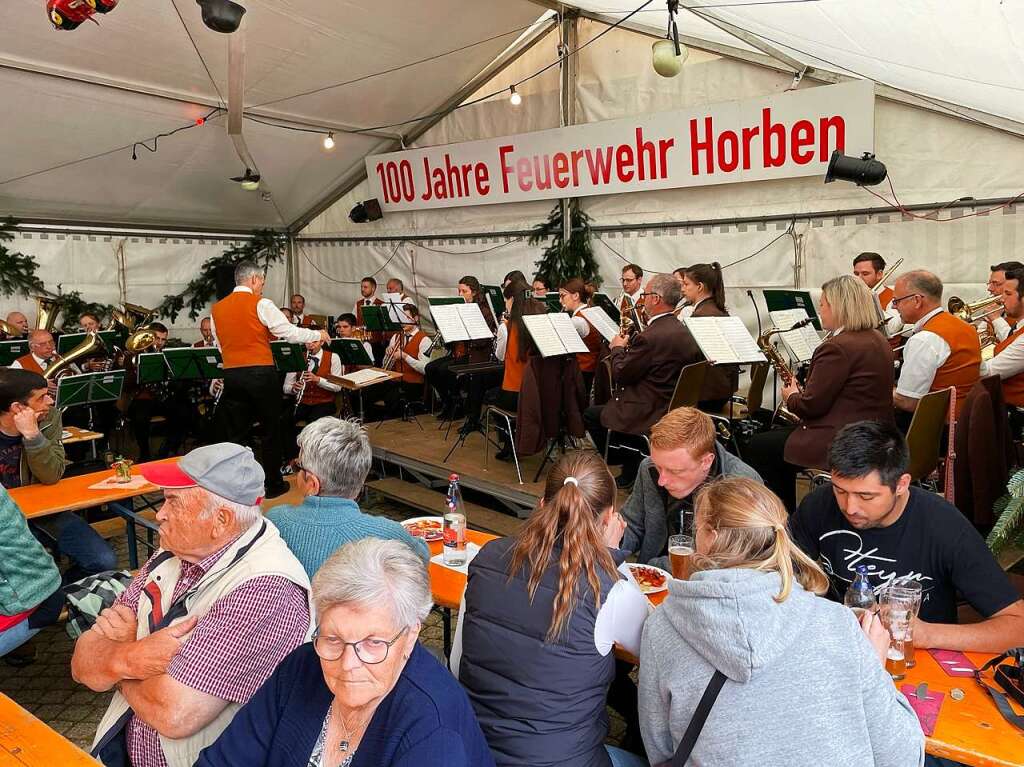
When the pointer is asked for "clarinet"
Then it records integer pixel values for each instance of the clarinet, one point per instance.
(302, 387)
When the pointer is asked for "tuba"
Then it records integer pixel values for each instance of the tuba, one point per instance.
(780, 366)
(7, 330)
(90, 346)
(135, 320)
(47, 310)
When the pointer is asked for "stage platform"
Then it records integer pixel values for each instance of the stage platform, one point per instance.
(404, 449)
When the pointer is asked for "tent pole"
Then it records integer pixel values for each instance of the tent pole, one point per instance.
(567, 92)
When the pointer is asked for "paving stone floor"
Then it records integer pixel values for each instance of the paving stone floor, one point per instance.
(47, 690)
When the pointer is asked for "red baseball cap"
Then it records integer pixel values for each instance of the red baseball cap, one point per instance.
(226, 469)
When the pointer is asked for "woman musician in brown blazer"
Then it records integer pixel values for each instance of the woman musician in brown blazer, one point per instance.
(850, 379)
(704, 289)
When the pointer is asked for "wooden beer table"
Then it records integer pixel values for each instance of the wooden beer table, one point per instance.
(27, 742)
(970, 731)
(73, 494)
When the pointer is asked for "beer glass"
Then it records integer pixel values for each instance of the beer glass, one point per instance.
(912, 590)
(897, 617)
(680, 555)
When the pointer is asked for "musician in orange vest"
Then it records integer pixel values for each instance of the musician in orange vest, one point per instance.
(244, 323)
(574, 295)
(42, 352)
(317, 393)
(1008, 360)
(408, 353)
(870, 267)
(1000, 326)
(944, 351)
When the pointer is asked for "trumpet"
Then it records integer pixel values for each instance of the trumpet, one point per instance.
(780, 366)
(981, 311)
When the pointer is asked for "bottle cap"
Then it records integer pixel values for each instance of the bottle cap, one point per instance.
(453, 477)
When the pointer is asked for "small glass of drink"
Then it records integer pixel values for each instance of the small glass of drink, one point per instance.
(897, 616)
(680, 555)
(895, 660)
(911, 589)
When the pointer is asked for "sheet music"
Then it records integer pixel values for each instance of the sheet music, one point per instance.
(544, 335)
(449, 323)
(360, 377)
(396, 308)
(599, 318)
(567, 334)
(802, 342)
(473, 319)
(724, 340)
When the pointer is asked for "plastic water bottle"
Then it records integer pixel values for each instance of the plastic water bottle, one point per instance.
(859, 596)
(454, 550)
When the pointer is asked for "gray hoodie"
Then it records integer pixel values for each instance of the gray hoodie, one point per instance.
(804, 689)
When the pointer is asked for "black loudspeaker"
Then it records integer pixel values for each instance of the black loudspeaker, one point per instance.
(866, 171)
(225, 280)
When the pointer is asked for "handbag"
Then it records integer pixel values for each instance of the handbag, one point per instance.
(1010, 678)
(700, 716)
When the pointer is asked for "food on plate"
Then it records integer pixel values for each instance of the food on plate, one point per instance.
(428, 528)
(650, 579)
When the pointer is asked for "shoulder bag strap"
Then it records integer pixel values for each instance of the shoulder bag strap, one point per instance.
(700, 716)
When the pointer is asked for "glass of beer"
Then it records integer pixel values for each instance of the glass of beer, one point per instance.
(680, 555)
(897, 616)
(909, 589)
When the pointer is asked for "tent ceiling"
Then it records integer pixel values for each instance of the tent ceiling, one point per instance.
(964, 53)
(60, 106)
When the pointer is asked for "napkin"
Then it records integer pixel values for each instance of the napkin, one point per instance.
(927, 710)
(954, 663)
(111, 483)
(471, 551)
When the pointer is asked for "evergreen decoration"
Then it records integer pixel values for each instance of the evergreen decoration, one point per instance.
(563, 260)
(17, 270)
(265, 248)
(1008, 531)
(73, 306)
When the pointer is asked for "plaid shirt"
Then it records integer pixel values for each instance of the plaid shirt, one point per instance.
(234, 648)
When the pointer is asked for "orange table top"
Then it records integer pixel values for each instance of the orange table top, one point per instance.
(970, 731)
(73, 493)
(27, 742)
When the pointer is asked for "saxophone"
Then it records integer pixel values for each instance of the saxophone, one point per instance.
(781, 367)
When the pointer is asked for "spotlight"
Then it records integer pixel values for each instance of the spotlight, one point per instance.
(329, 141)
(221, 15)
(865, 171)
(667, 56)
(367, 210)
(515, 99)
(250, 181)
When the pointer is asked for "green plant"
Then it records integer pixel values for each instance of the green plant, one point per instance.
(264, 248)
(1008, 530)
(563, 260)
(17, 270)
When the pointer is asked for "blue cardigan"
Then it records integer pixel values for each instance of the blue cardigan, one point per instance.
(315, 529)
(425, 721)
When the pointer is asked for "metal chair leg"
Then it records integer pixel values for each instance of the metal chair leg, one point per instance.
(487, 437)
(512, 443)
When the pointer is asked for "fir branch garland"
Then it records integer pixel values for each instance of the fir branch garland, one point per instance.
(563, 260)
(17, 270)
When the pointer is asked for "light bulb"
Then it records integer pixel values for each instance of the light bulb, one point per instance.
(515, 98)
(251, 184)
(329, 141)
(664, 59)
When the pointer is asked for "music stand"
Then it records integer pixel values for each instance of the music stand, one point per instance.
(350, 351)
(553, 302)
(495, 299)
(188, 363)
(288, 358)
(377, 318)
(791, 299)
(89, 388)
(600, 299)
(11, 349)
(151, 367)
(68, 341)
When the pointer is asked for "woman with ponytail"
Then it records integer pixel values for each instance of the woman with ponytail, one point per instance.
(704, 289)
(805, 683)
(540, 616)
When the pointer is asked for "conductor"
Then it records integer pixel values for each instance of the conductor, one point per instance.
(244, 323)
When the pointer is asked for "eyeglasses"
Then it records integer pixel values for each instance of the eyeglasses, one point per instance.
(369, 651)
(644, 295)
(897, 299)
(630, 279)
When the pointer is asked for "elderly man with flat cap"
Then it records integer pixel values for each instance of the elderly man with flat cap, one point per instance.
(203, 624)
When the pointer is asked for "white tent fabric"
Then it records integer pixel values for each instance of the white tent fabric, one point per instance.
(71, 95)
(966, 52)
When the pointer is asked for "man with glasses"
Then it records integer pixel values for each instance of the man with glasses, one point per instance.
(244, 323)
(996, 281)
(944, 351)
(632, 276)
(334, 459)
(644, 375)
(204, 623)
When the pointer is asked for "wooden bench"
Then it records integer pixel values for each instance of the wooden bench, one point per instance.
(433, 502)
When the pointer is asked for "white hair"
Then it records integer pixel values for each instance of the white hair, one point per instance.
(245, 516)
(375, 573)
(338, 452)
(244, 270)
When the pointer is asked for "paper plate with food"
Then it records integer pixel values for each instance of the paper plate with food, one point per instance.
(427, 528)
(650, 579)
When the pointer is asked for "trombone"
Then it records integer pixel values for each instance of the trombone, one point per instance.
(979, 313)
(880, 285)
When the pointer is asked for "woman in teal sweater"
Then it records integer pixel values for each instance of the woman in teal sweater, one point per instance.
(28, 576)
(334, 459)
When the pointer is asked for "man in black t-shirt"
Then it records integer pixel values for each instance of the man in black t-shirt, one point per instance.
(871, 516)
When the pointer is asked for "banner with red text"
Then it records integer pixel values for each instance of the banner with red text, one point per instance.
(779, 136)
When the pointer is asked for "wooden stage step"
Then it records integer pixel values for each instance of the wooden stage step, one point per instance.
(432, 502)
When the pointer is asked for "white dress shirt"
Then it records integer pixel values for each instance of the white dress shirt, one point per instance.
(39, 361)
(501, 341)
(275, 321)
(1001, 328)
(313, 366)
(580, 323)
(417, 363)
(924, 353)
(1010, 361)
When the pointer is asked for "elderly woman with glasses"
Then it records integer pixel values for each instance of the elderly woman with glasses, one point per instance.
(364, 693)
